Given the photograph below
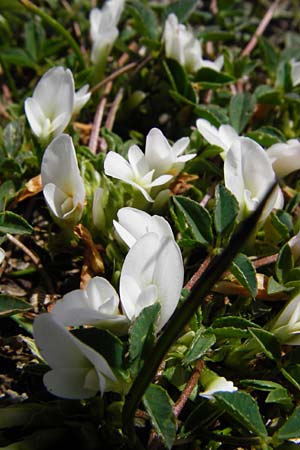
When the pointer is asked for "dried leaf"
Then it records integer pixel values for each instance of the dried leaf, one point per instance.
(93, 262)
(32, 187)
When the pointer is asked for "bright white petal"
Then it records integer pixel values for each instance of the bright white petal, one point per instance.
(158, 151)
(35, 116)
(211, 134)
(181, 145)
(55, 93)
(59, 166)
(116, 166)
(168, 277)
(285, 157)
(55, 198)
(81, 97)
(57, 346)
(99, 291)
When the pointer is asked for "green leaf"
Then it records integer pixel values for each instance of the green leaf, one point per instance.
(243, 408)
(291, 427)
(261, 385)
(213, 113)
(159, 407)
(284, 77)
(231, 332)
(244, 272)
(233, 321)
(13, 136)
(226, 209)
(13, 223)
(281, 225)
(280, 396)
(182, 9)
(201, 343)
(267, 342)
(284, 263)
(7, 191)
(11, 305)
(179, 79)
(145, 19)
(216, 36)
(210, 79)
(17, 56)
(241, 108)
(266, 94)
(270, 55)
(142, 336)
(197, 217)
(105, 343)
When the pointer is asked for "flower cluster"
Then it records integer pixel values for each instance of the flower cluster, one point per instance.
(154, 168)
(152, 272)
(181, 45)
(249, 170)
(103, 29)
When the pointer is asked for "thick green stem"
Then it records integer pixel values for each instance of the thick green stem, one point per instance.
(182, 316)
(57, 26)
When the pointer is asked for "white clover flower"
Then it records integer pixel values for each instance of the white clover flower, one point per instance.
(53, 103)
(164, 158)
(77, 370)
(222, 137)
(63, 186)
(103, 29)
(181, 45)
(136, 171)
(248, 174)
(96, 305)
(81, 97)
(285, 157)
(50, 108)
(287, 325)
(134, 223)
(218, 384)
(295, 72)
(152, 272)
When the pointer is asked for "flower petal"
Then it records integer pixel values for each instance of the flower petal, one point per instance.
(70, 383)
(116, 166)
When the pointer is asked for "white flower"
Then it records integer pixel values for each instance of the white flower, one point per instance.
(152, 272)
(50, 108)
(77, 370)
(213, 384)
(96, 305)
(63, 186)
(53, 103)
(136, 171)
(81, 97)
(287, 325)
(134, 223)
(164, 158)
(222, 137)
(181, 45)
(285, 157)
(248, 174)
(294, 244)
(103, 29)
(295, 72)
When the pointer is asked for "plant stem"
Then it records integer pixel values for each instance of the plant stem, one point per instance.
(182, 316)
(57, 26)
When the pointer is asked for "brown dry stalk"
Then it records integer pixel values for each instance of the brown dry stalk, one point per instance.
(185, 394)
(261, 28)
(114, 75)
(113, 110)
(189, 285)
(93, 142)
(265, 261)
